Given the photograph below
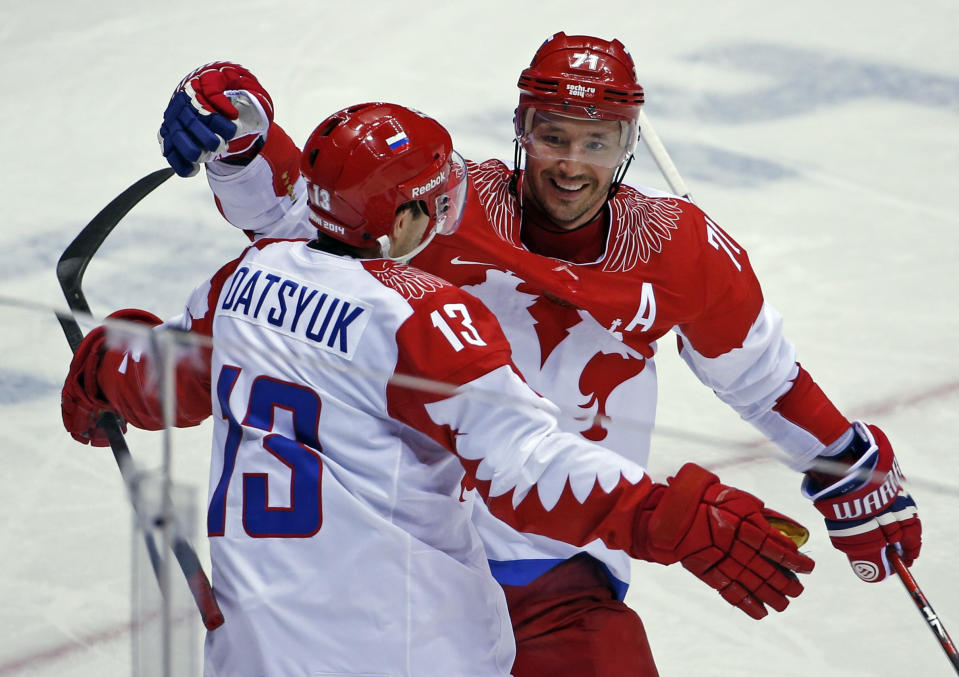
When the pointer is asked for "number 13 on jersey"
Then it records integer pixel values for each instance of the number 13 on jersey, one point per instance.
(458, 315)
(300, 455)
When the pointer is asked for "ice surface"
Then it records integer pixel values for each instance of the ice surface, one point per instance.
(823, 135)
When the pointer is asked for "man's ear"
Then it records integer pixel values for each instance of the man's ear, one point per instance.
(401, 220)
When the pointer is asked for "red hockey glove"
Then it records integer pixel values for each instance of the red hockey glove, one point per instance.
(867, 508)
(219, 111)
(724, 536)
(81, 401)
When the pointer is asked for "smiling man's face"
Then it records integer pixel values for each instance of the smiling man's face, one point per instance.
(560, 177)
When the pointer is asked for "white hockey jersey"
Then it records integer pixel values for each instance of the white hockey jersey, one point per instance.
(339, 540)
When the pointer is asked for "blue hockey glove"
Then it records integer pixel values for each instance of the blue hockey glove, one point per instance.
(220, 111)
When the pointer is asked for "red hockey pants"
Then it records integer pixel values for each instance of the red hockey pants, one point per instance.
(568, 624)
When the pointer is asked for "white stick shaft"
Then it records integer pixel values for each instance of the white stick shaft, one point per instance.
(658, 151)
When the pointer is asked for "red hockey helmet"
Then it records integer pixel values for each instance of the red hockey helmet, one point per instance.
(582, 77)
(363, 162)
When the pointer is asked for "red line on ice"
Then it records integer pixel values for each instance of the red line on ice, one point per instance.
(55, 653)
(83, 642)
(879, 408)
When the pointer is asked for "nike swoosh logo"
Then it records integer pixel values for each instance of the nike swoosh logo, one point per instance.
(457, 261)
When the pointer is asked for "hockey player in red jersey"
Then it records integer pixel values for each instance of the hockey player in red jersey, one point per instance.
(585, 274)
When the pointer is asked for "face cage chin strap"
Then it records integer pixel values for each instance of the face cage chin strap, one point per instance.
(384, 242)
(517, 160)
(618, 176)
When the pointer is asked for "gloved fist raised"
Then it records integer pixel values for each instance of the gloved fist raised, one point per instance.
(860, 493)
(724, 536)
(219, 111)
(81, 400)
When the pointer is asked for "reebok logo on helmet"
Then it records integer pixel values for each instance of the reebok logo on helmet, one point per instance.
(429, 185)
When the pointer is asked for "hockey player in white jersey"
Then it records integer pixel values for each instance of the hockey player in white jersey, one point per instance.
(349, 394)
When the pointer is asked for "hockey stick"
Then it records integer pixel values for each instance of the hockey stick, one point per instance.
(70, 269)
(658, 152)
(925, 608)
